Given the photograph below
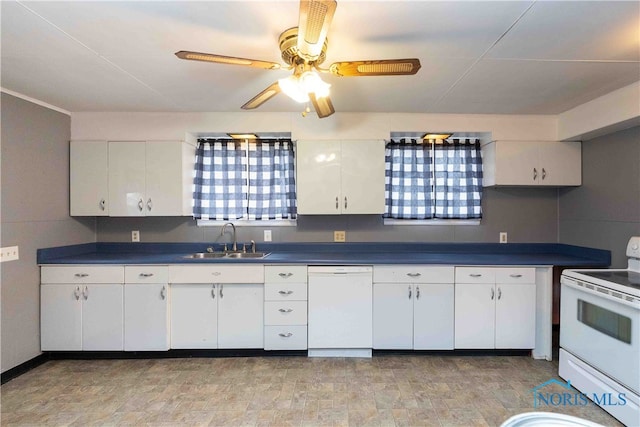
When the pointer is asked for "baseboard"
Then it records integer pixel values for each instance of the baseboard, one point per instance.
(23, 368)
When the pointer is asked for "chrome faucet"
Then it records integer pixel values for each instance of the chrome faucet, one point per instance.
(235, 244)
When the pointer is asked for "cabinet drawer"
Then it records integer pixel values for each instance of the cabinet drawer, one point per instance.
(285, 273)
(223, 273)
(285, 313)
(81, 274)
(146, 274)
(475, 275)
(285, 291)
(285, 337)
(413, 274)
(516, 275)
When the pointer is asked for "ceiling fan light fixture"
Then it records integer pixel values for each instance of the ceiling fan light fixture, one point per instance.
(311, 82)
(292, 88)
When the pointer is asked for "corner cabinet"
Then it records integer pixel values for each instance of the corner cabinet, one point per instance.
(340, 177)
(150, 178)
(89, 179)
(532, 163)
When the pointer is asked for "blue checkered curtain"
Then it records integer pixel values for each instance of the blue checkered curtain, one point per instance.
(458, 179)
(408, 180)
(220, 181)
(272, 186)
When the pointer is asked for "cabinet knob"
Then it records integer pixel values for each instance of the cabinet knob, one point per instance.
(493, 294)
(213, 292)
(140, 205)
(337, 203)
(345, 202)
(103, 204)
(409, 292)
(417, 292)
(149, 204)
(76, 293)
(163, 292)
(544, 173)
(499, 293)
(85, 293)
(221, 294)
(535, 174)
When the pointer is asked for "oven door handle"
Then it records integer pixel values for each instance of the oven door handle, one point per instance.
(635, 304)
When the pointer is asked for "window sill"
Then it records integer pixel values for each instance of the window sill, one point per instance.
(403, 222)
(248, 223)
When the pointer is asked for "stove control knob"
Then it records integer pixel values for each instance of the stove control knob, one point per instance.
(633, 248)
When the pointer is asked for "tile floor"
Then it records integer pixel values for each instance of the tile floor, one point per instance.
(387, 390)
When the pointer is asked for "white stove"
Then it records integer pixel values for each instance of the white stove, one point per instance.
(600, 335)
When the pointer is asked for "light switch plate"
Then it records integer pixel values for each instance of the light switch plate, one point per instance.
(340, 236)
(10, 253)
(503, 237)
(267, 235)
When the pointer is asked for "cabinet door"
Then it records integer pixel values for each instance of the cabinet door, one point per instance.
(318, 177)
(146, 317)
(474, 315)
(393, 316)
(60, 317)
(88, 179)
(127, 178)
(515, 316)
(102, 317)
(194, 316)
(516, 163)
(241, 316)
(164, 179)
(362, 177)
(560, 163)
(433, 314)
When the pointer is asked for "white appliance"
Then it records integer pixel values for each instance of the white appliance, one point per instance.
(340, 311)
(600, 335)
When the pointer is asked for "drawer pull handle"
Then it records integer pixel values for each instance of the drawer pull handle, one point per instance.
(163, 293)
(221, 289)
(409, 292)
(499, 293)
(103, 204)
(285, 275)
(475, 275)
(146, 274)
(213, 292)
(149, 205)
(76, 293)
(414, 274)
(493, 294)
(417, 292)
(287, 335)
(285, 292)
(85, 293)
(81, 275)
(285, 310)
(515, 276)
(140, 205)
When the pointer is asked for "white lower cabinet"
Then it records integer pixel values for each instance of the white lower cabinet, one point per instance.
(81, 308)
(413, 307)
(208, 315)
(146, 309)
(495, 308)
(285, 307)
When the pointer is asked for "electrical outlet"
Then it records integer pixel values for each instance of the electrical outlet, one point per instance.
(267, 235)
(503, 237)
(10, 253)
(135, 236)
(339, 236)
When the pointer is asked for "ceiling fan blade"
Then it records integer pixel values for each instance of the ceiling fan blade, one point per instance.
(313, 25)
(220, 59)
(382, 67)
(262, 97)
(323, 106)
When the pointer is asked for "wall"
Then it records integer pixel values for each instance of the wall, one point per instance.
(34, 214)
(605, 211)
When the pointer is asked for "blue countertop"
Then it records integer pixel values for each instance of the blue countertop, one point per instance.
(335, 254)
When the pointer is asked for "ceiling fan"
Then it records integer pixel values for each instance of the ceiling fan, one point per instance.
(303, 49)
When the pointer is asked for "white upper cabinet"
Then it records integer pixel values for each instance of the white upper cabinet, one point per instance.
(340, 177)
(532, 163)
(89, 190)
(152, 178)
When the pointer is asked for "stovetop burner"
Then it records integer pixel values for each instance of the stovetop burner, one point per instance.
(624, 277)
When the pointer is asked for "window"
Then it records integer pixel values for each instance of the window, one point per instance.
(244, 180)
(433, 180)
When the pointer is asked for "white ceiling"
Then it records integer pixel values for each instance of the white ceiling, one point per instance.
(509, 57)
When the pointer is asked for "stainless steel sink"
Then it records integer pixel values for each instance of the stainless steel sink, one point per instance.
(232, 255)
(246, 255)
(205, 255)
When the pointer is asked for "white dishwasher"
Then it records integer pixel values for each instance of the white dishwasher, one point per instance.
(340, 311)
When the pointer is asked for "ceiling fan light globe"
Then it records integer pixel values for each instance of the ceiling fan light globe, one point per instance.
(312, 83)
(292, 88)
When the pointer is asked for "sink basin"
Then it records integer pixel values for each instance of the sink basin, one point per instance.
(205, 255)
(246, 255)
(234, 255)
